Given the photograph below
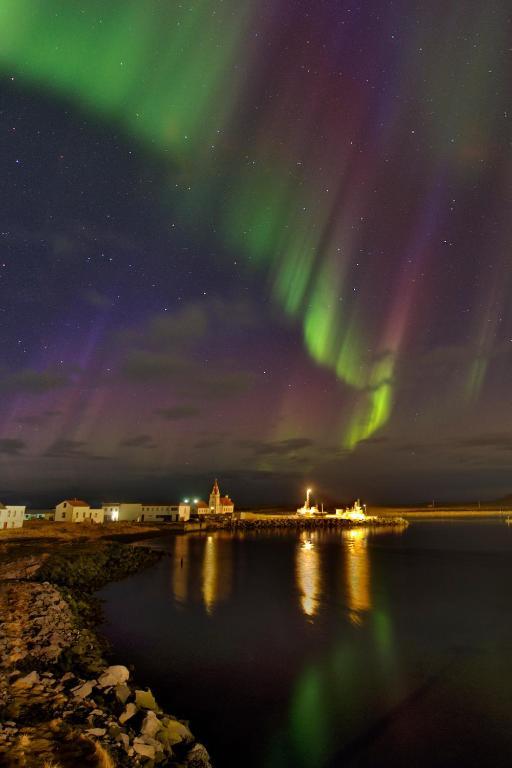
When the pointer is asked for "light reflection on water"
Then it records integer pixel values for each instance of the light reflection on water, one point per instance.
(289, 649)
(308, 574)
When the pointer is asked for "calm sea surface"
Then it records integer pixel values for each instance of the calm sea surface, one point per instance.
(361, 648)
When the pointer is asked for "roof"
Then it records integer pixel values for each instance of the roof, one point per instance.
(76, 502)
(225, 500)
(202, 504)
(215, 488)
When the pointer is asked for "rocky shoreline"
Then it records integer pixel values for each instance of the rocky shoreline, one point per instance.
(61, 703)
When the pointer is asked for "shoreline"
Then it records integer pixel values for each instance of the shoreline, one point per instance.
(61, 702)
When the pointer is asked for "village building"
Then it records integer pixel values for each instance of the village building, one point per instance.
(121, 511)
(11, 516)
(163, 513)
(77, 511)
(137, 512)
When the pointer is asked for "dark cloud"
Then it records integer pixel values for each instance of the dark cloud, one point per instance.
(138, 441)
(278, 448)
(178, 412)
(498, 440)
(11, 446)
(33, 382)
(66, 449)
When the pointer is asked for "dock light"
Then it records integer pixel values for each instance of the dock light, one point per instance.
(196, 501)
(185, 501)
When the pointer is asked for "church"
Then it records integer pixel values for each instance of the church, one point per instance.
(219, 505)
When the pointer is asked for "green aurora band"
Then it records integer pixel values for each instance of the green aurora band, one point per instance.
(175, 78)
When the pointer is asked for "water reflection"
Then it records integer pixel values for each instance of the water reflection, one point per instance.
(308, 574)
(217, 570)
(211, 582)
(180, 568)
(357, 573)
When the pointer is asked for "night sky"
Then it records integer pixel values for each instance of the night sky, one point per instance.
(268, 241)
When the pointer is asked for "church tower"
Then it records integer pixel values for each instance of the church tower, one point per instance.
(215, 498)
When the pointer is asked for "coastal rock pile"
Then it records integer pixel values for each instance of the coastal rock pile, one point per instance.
(73, 719)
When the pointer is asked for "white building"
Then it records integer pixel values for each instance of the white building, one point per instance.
(122, 511)
(163, 513)
(71, 511)
(77, 511)
(11, 516)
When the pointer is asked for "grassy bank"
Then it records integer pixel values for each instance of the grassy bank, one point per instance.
(43, 530)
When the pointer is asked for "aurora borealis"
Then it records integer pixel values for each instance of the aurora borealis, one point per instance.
(265, 240)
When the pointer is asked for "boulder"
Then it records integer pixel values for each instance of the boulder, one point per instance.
(151, 725)
(177, 732)
(123, 693)
(84, 690)
(28, 681)
(198, 757)
(96, 731)
(125, 740)
(129, 711)
(146, 700)
(113, 676)
(141, 748)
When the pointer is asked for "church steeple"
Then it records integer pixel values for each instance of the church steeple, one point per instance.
(215, 498)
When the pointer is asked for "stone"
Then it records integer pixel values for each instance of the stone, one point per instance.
(26, 682)
(146, 700)
(123, 693)
(96, 731)
(85, 690)
(177, 732)
(125, 740)
(141, 748)
(151, 725)
(114, 731)
(113, 676)
(129, 711)
(66, 677)
(198, 757)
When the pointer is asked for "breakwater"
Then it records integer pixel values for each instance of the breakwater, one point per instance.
(61, 702)
(299, 523)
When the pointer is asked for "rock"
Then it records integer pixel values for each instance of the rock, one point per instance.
(123, 693)
(146, 700)
(96, 731)
(84, 690)
(114, 731)
(113, 676)
(151, 725)
(177, 732)
(27, 682)
(141, 748)
(198, 757)
(129, 711)
(66, 677)
(125, 740)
